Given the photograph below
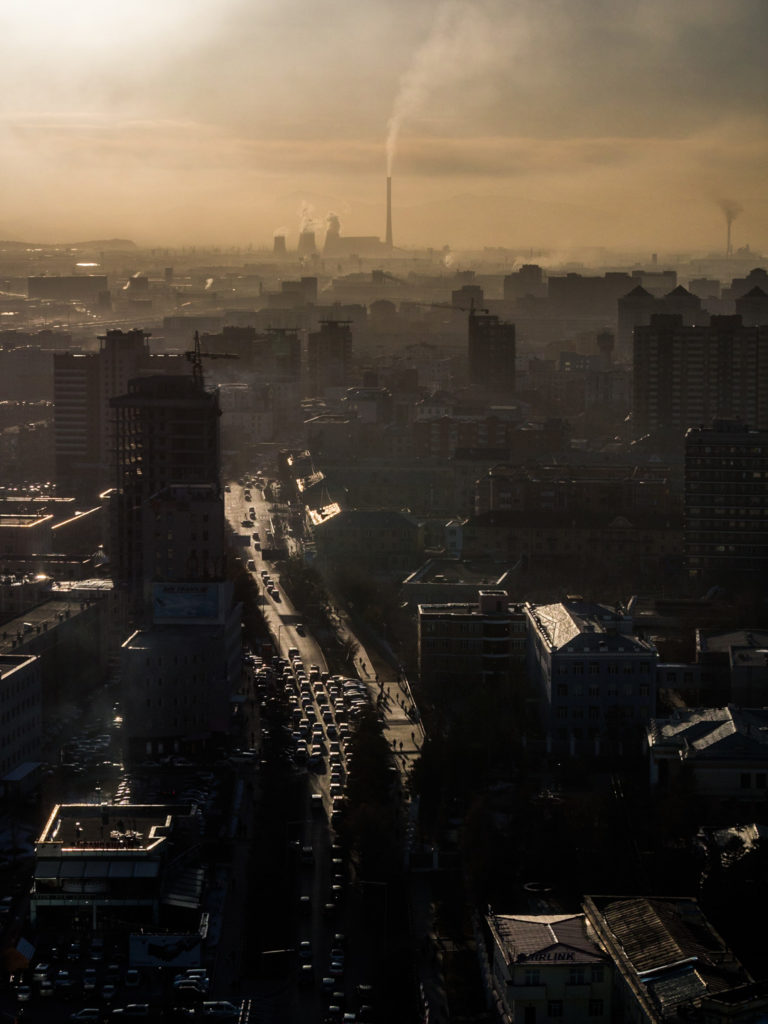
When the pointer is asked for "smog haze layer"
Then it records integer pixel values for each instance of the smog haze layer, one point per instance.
(555, 123)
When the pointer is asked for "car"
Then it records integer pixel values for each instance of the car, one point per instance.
(300, 629)
(250, 565)
(89, 979)
(195, 988)
(64, 983)
(132, 1010)
(336, 968)
(220, 1009)
(304, 950)
(306, 974)
(305, 904)
(41, 971)
(87, 1013)
(23, 993)
(307, 854)
(328, 984)
(46, 988)
(108, 990)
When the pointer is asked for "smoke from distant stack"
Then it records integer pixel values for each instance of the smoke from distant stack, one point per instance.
(388, 235)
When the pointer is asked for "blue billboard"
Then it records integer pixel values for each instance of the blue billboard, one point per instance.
(185, 602)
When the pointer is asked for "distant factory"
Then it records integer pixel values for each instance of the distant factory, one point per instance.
(337, 245)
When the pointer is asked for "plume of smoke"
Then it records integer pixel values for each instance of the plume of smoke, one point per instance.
(730, 208)
(307, 219)
(333, 224)
(282, 231)
(435, 62)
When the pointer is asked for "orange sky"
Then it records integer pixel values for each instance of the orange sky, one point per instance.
(556, 123)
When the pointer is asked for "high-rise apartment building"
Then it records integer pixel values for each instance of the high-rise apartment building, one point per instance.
(329, 356)
(83, 384)
(166, 433)
(491, 353)
(685, 376)
(726, 500)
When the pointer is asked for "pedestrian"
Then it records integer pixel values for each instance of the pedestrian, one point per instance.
(401, 745)
(413, 738)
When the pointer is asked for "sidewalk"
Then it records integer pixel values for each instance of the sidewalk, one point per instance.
(403, 729)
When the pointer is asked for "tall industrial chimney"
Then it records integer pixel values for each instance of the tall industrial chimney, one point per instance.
(388, 240)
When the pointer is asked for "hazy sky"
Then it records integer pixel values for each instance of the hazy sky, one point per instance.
(508, 122)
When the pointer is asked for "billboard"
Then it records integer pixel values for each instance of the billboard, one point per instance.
(185, 602)
(165, 950)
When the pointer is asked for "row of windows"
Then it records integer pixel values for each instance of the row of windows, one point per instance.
(609, 690)
(596, 713)
(577, 975)
(757, 782)
(595, 1008)
(577, 668)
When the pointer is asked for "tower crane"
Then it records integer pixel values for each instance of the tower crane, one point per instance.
(195, 356)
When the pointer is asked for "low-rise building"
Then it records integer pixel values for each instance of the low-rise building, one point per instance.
(549, 967)
(669, 961)
(724, 749)
(468, 644)
(596, 681)
(21, 710)
(107, 865)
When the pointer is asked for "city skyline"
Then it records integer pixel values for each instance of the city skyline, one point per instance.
(594, 124)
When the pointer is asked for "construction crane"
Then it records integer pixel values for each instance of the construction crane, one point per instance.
(196, 356)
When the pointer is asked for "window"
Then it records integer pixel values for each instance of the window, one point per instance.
(562, 689)
(562, 712)
(555, 1008)
(595, 1008)
(594, 668)
(746, 781)
(578, 668)
(576, 976)
(597, 973)
(532, 976)
(594, 690)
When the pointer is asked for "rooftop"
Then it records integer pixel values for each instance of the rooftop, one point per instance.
(545, 938)
(105, 827)
(713, 733)
(588, 628)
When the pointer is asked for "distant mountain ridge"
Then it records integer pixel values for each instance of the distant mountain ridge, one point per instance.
(112, 244)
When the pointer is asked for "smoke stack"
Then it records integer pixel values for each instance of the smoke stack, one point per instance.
(388, 240)
(279, 245)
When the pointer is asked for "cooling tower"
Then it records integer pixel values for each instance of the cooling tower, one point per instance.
(307, 244)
